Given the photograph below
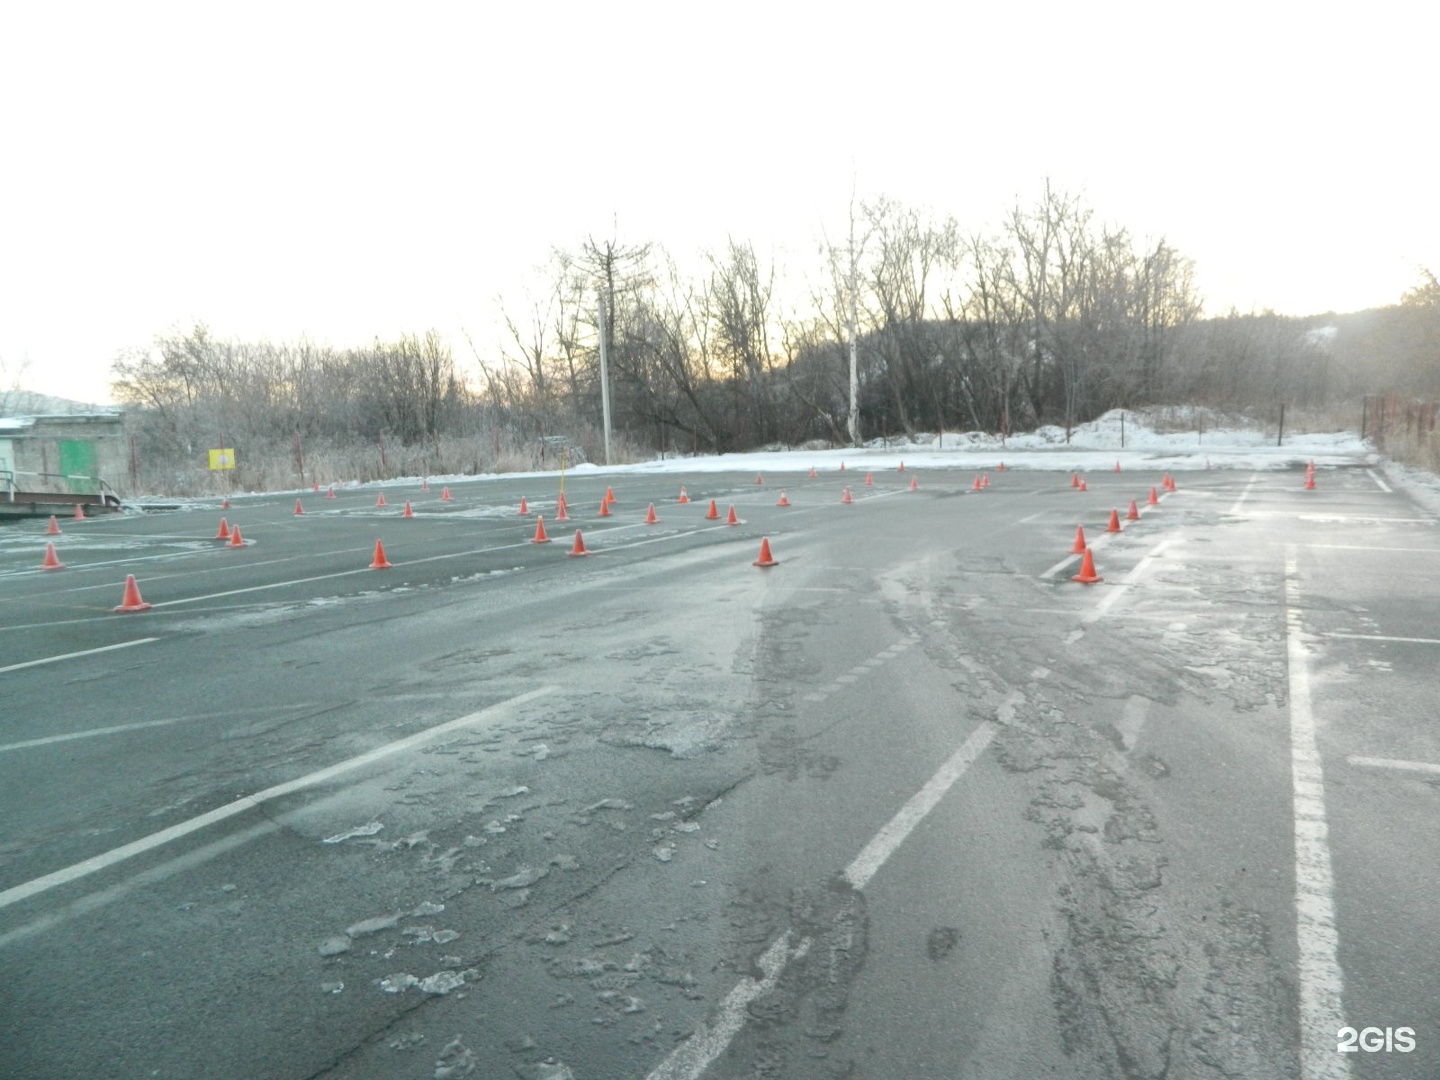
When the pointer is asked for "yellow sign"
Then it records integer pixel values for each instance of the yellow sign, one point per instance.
(222, 459)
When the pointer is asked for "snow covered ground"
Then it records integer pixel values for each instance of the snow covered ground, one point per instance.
(1092, 446)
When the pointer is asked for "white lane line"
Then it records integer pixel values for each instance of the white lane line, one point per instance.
(847, 679)
(1141, 569)
(692, 1057)
(109, 858)
(1321, 981)
(1382, 637)
(1245, 494)
(884, 843)
(73, 655)
(154, 874)
(1393, 763)
(118, 728)
(1371, 547)
(1380, 483)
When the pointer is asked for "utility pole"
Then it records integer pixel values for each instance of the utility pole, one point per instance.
(854, 344)
(604, 381)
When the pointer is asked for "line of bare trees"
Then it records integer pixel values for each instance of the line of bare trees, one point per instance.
(1052, 317)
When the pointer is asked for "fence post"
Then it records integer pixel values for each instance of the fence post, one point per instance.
(1280, 437)
(1364, 412)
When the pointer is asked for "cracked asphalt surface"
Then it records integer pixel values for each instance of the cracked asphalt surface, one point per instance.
(497, 811)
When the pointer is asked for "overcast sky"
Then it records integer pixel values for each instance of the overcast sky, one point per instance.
(350, 170)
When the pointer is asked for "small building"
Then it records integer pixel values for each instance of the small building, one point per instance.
(60, 460)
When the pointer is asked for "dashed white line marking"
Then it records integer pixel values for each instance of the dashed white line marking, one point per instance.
(1379, 483)
(846, 679)
(1393, 763)
(1245, 494)
(893, 834)
(1141, 569)
(184, 828)
(1321, 980)
(692, 1057)
(73, 655)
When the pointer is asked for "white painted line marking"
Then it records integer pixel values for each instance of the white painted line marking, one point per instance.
(1245, 494)
(815, 696)
(692, 1057)
(72, 655)
(1141, 569)
(845, 679)
(1380, 483)
(1062, 564)
(1382, 637)
(889, 838)
(1321, 981)
(239, 806)
(155, 874)
(1371, 547)
(1393, 763)
(118, 728)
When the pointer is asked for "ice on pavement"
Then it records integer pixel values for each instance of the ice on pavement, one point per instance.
(360, 830)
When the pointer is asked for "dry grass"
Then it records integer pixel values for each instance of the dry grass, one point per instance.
(273, 467)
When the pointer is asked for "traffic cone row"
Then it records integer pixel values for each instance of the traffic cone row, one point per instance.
(1087, 574)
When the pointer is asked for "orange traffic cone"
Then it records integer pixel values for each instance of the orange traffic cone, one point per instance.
(846, 497)
(408, 512)
(299, 510)
(578, 548)
(380, 562)
(713, 514)
(902, 466)
(54, 529)
(562, 512)
(610, 495)
(235, 540)
(1087, 574)
(914, 483)
(132, 601)
(812, 472)
(683, 497)
(424, 483)
(842, 466)
(1114, 525)
(1082, 485)
(604, 508)
(1079, 548)
(331, 493)
(540, 537)
(730, 518)
(1133, 514)
(984, 480)
(1309, 481)
(650, 518)
(381, 500)
(759, 479)
(315, 487)
(1002, 467)
(783, 500)
(1117, 466)
(1170, 482)
(51, 561)
(524, 509)
(224, 533)
(869, 480)
(79, 512)
(225, 502)
(765, 559)
(976, 485)
(445, 494)
(1075, 479)
(1154, 499)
